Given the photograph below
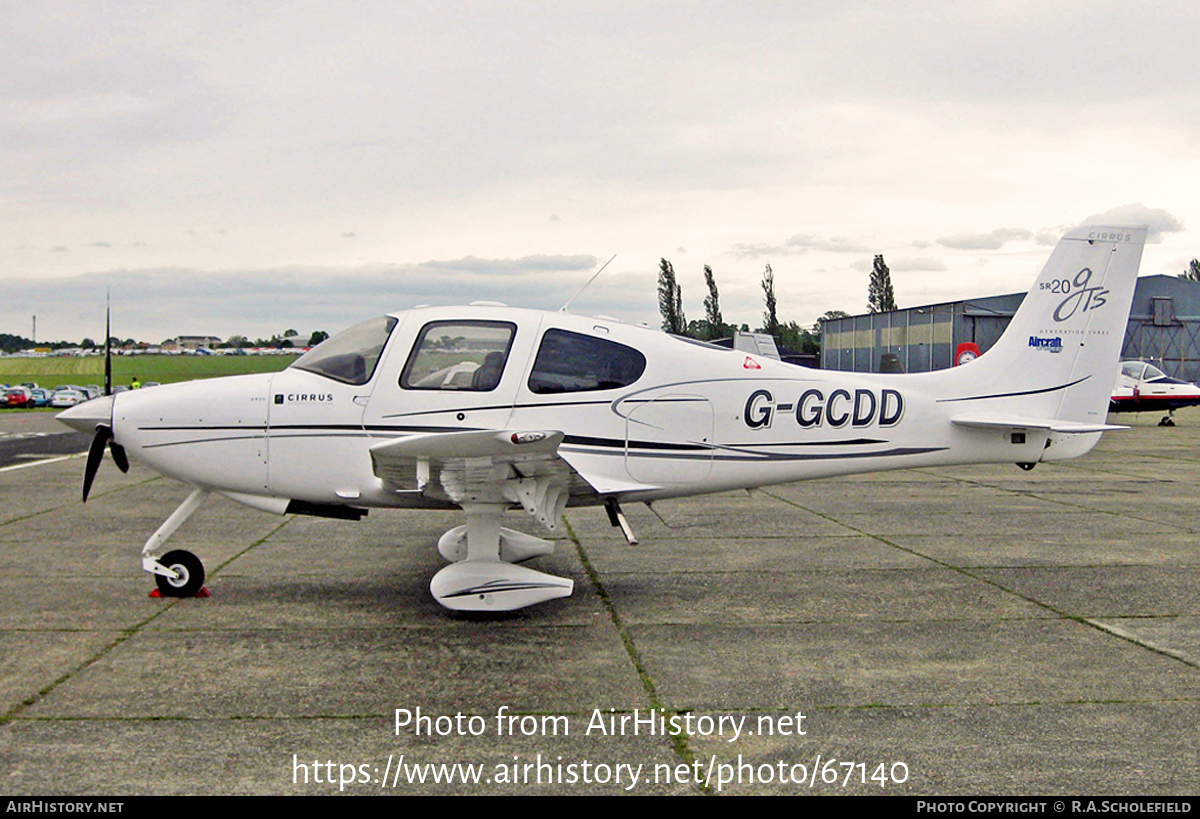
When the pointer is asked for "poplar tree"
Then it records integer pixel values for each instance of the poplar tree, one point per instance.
(880, 298)
(770, 320)
(712, 307)
(670, 300)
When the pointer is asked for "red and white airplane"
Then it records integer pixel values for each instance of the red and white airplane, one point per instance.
(1142, 387)
(491, 408)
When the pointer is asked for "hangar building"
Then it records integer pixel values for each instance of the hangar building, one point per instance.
(1164, 327)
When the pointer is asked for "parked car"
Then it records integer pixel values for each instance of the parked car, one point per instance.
(17, 398)
(41, 398)
(67, 398)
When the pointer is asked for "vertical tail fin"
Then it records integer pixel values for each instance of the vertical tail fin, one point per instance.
(1058, 357)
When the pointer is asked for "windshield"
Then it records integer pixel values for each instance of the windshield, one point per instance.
(350, 356)
(1133, 369)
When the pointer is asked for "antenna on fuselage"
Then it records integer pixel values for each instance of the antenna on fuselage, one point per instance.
(563, 309)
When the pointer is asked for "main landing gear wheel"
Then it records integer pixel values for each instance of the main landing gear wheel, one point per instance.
(1167, 422)
(481, 578)
(190, 571)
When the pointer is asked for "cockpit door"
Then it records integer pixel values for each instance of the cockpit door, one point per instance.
(443, 373)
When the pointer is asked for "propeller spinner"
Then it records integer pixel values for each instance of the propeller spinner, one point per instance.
(95, 416)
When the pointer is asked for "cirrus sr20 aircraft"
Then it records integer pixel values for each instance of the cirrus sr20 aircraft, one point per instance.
(488, 408)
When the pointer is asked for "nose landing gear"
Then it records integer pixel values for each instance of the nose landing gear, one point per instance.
(178, 573)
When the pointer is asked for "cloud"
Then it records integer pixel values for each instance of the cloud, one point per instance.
(904, 264)
(798, 244)
(761, 249)
(1157, 219)
(99, 244)
(836, 244)
(919, 264)
(1048, 237)
(525, 265)
(161, 302)
(994, 240)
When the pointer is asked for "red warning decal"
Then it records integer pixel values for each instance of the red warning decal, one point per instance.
(751, 364)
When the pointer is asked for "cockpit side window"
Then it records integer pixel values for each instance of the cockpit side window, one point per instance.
(350, 356)
(1133, 369)
(573, 362)
(459, 355)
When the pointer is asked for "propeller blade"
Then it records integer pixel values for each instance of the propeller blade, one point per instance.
(118, 455)
(95, 455)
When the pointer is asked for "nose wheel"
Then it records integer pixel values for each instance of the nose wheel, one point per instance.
(188, 571)
(178, 573)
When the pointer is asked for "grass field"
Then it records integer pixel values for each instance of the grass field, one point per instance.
(50, 372)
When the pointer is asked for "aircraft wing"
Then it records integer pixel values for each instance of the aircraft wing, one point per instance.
(1019, 422)
(485, 467)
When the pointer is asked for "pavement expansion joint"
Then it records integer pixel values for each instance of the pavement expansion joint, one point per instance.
(1059, 613)
(679, 742)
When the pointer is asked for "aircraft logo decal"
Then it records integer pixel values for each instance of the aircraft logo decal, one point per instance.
(1081, 298)
(1050, 345)
(303, 398)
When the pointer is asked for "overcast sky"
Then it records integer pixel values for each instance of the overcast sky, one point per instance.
(253, 167)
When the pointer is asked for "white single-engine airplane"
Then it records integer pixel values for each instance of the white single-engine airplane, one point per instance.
(488, 408)
(1142, 387)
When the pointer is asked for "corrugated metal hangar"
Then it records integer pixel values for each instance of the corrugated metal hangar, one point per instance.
(1164, 327)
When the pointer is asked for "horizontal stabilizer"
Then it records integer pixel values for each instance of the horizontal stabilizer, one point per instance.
(1018, 422)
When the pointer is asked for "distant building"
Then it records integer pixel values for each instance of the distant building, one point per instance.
(190, 343)
(1164, 326)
